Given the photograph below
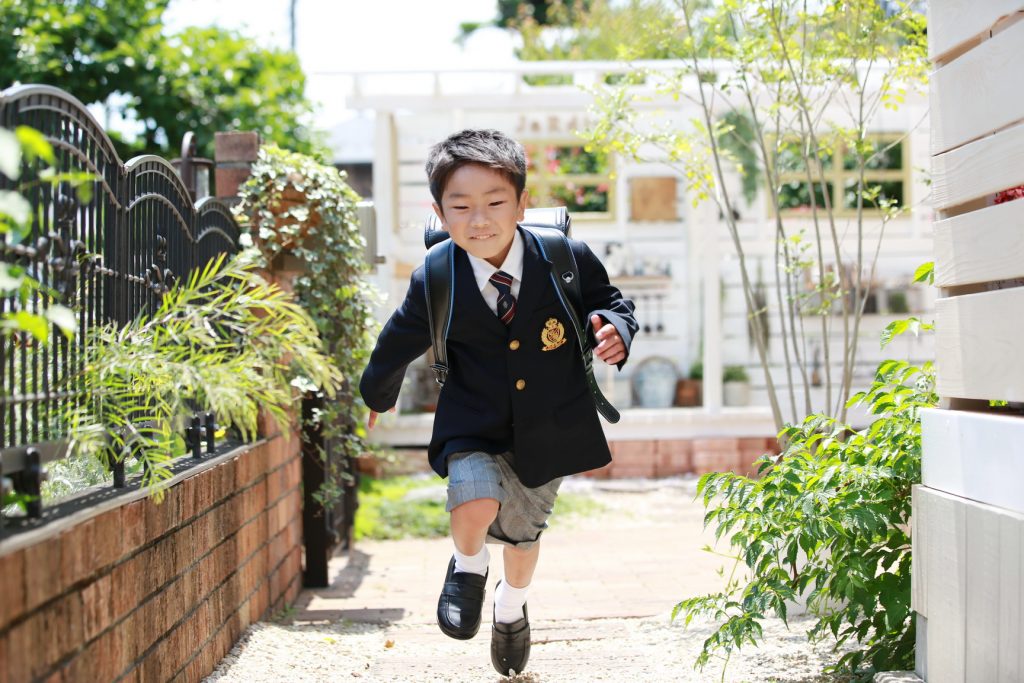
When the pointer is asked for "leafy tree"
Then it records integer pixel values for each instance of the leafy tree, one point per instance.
(544, 12)
(639, 29)
(788, 86)
(204, 79)
(595, 29)
(87, 47)
(213, 80)
(510, 12)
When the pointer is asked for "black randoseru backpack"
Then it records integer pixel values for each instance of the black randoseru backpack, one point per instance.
(549, 229)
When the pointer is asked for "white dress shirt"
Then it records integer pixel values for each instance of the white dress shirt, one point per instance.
(513, 265)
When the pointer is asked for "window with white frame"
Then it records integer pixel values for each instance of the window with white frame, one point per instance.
(886, 176)
(565, 173)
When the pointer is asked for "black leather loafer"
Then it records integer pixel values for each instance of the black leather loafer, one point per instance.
(510, 645)
(460, 604)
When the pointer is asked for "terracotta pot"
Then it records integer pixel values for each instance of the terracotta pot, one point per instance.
(688, 393)
(369, 465)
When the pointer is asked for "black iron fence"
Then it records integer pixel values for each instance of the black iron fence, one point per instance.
(108, 259)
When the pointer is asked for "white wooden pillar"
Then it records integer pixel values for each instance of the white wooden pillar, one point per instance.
(709, 227)
(385, 199)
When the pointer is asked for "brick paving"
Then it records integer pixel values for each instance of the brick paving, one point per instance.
(634, 560)
(599, 608)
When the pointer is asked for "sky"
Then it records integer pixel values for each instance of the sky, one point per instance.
(337, 36)
(348, 35)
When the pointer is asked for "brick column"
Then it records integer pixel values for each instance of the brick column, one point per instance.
(234, 154)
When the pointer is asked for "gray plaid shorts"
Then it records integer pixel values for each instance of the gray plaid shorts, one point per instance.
(522, 512)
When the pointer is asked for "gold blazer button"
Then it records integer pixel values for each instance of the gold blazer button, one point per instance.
(514, 344)
(520, 384)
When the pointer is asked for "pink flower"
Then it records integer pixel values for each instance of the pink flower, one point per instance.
(1010, 195)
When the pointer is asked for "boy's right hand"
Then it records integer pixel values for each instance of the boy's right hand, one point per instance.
(372, 420)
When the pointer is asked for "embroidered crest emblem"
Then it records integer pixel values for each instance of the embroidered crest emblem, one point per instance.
(553, 335)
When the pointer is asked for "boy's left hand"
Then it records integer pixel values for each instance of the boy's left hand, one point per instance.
(610, 347)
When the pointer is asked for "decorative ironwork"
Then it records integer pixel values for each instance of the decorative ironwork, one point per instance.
(159, 279)
(110, 259)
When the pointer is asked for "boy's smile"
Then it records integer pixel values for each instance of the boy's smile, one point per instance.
(479, 209)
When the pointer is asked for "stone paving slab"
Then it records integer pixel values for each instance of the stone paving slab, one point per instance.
(599, 606)
(629, 563)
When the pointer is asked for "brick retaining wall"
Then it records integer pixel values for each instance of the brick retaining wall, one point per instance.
(669, 457)
(640, 458)
(138, 591)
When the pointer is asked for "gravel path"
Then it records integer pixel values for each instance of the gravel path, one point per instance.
(597, 623)
(642, 650)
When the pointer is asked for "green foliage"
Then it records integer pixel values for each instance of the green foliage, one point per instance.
(638, 29)
(697, 370)
(925, 273)
(512, 13)
(399, 507)
(219, 80)
(827, 522)
(898, 327)
(88, 47)
(31, 308)
(739, 140)
(735, 373)
(321, 229)
(387, 511)
(543, 12)
(784, 91)
(224, 340)
(202, 79)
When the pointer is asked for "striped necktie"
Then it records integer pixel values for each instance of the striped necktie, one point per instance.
(502, 281)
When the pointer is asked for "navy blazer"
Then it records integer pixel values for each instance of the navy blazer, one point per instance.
(520, 388)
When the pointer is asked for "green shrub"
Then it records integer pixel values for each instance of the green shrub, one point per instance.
(697, 370)
(828, 522)
(735, 373)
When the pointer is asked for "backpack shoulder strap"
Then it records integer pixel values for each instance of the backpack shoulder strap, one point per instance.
(565, 276)
(438, 284)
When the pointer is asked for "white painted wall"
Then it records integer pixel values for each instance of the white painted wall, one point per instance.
(442, 102)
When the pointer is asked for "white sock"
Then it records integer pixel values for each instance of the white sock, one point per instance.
(473, 564)
(508, 603)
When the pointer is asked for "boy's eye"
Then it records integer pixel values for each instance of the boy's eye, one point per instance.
(497, 203)
(460, 208)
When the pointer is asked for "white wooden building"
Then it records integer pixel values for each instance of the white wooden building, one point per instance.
(968, 518)
(674, 259)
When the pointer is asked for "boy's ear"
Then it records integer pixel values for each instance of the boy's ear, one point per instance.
(440, 214)
(523, 202)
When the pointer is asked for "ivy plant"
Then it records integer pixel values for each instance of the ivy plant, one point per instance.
(827, 523)
(292, 204)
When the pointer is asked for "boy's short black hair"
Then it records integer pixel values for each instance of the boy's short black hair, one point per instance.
(490, 148)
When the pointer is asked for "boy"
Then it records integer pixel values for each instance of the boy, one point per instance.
(515, 414)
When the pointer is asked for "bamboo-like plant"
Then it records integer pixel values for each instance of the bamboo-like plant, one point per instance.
(223, 340)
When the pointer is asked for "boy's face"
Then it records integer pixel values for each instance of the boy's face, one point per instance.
(479, 208)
